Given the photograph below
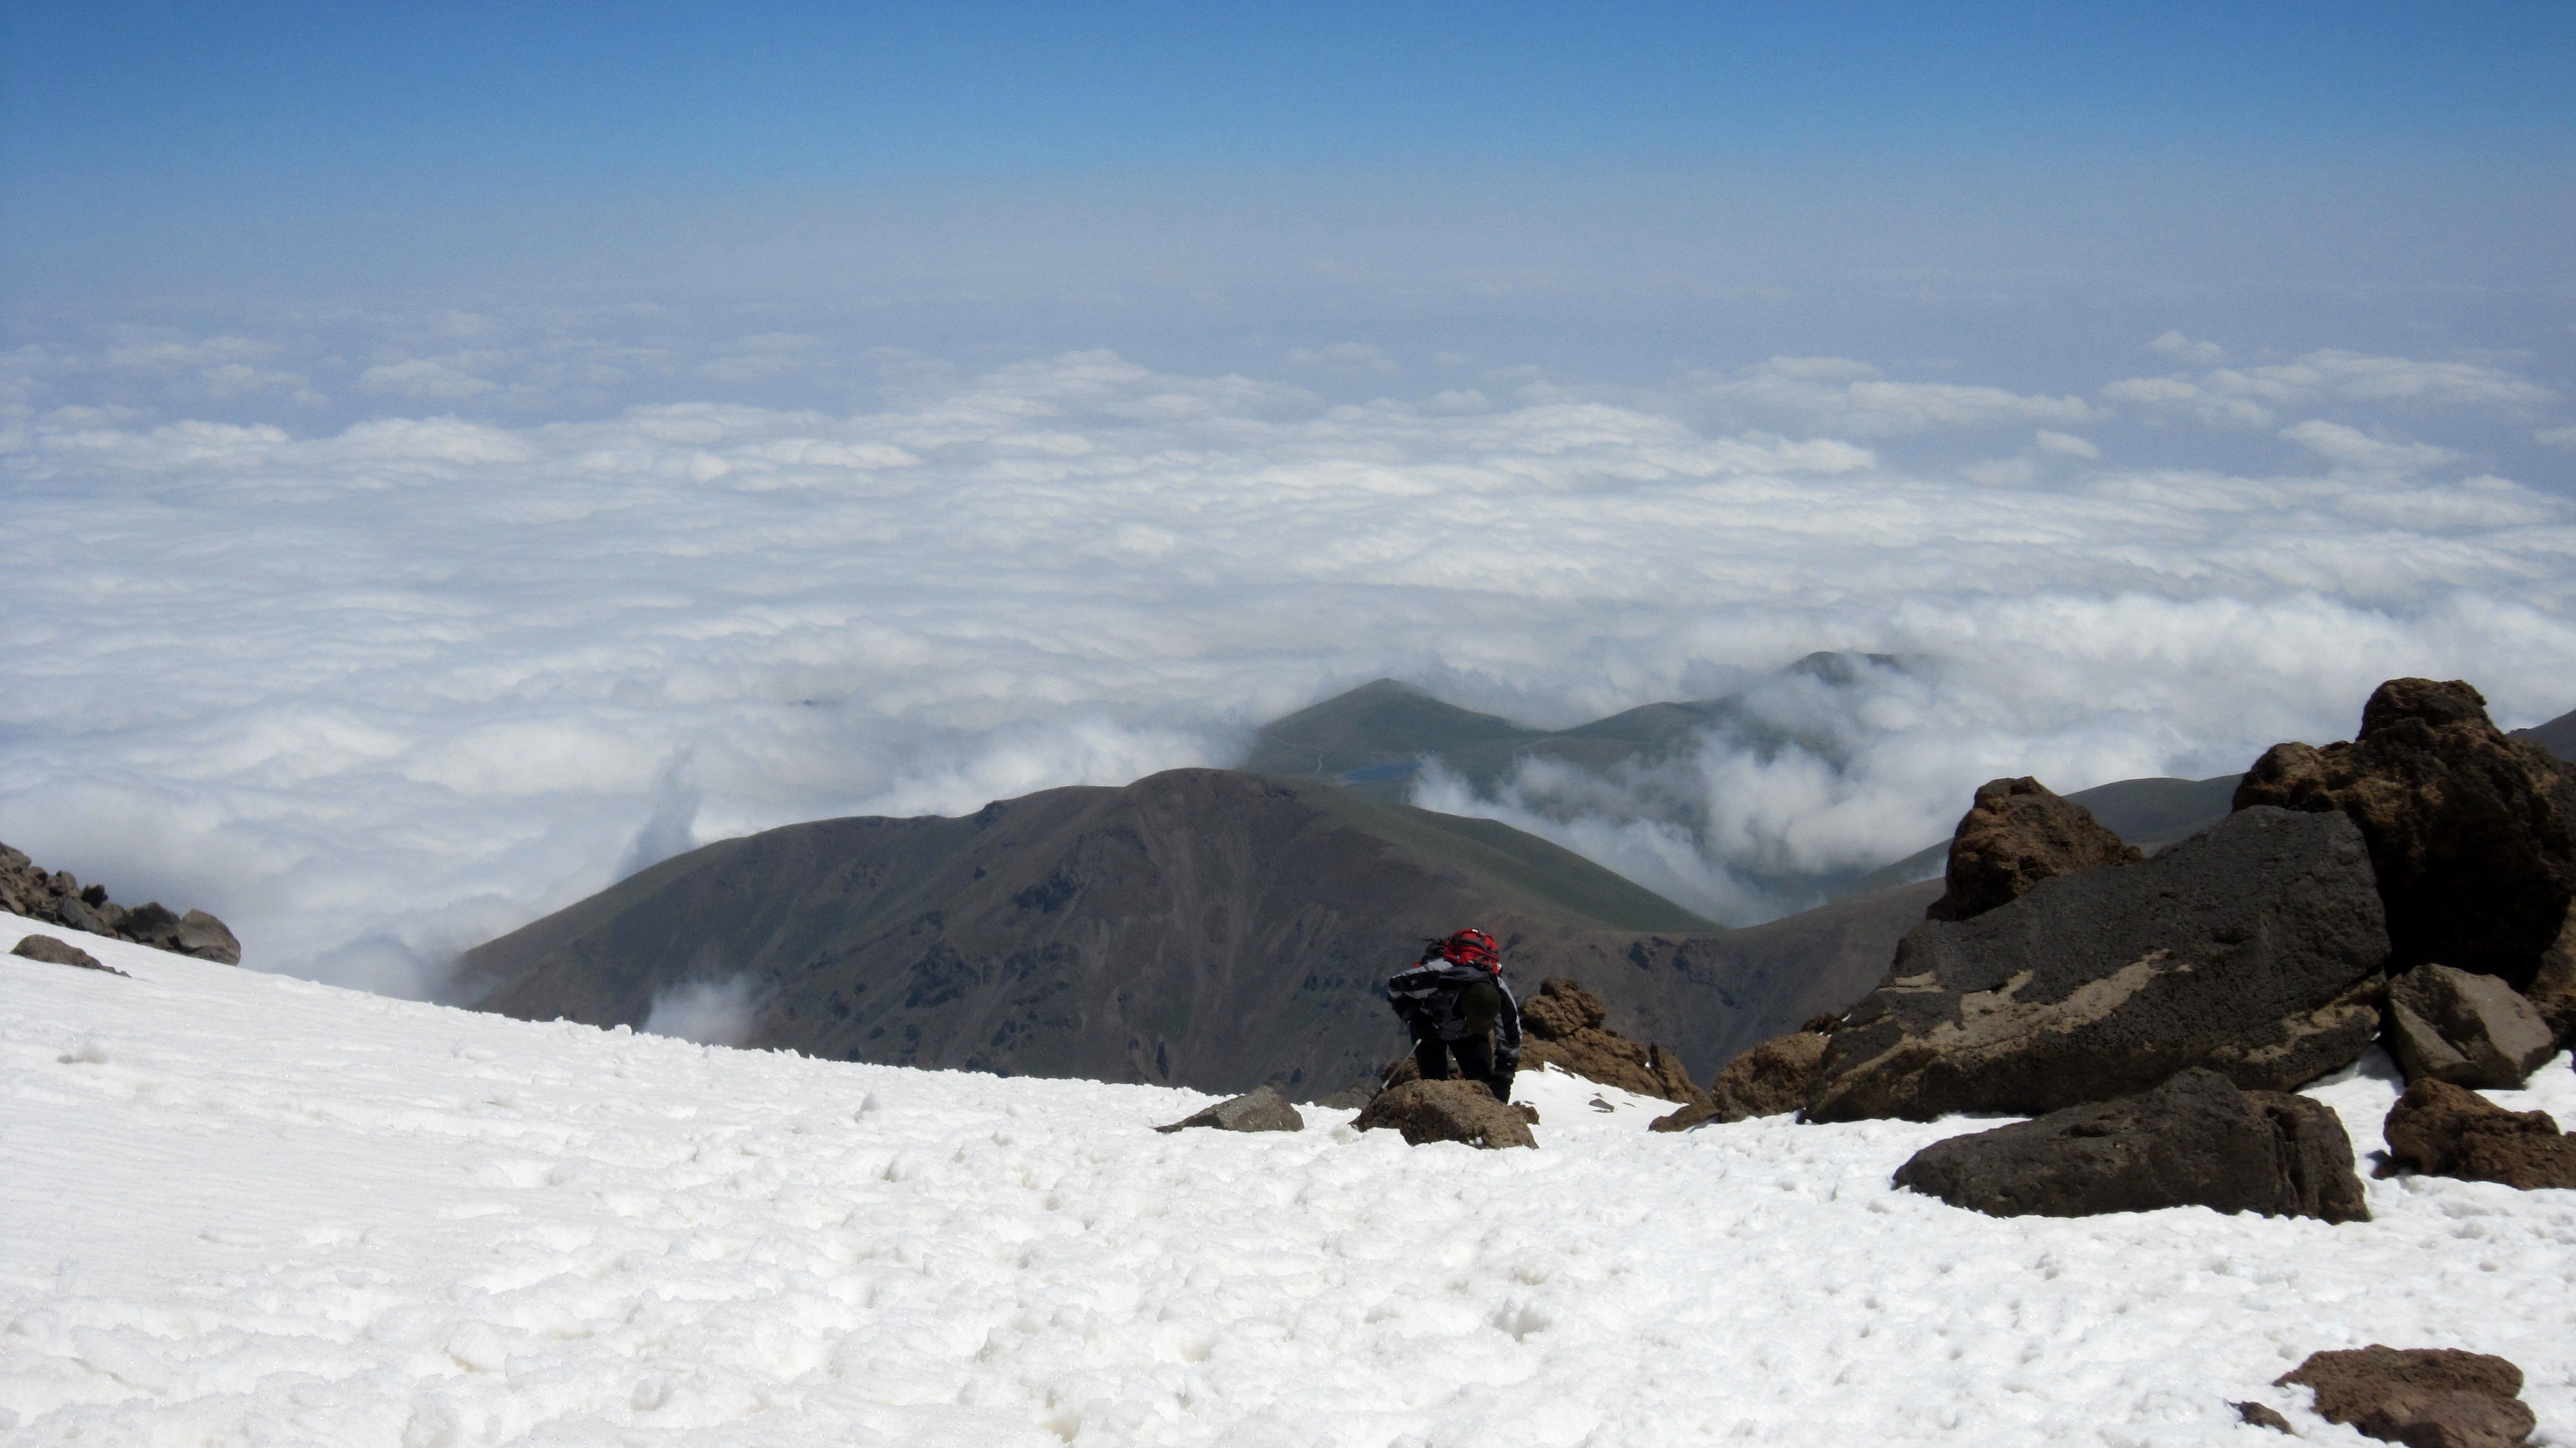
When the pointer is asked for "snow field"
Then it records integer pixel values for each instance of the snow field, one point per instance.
(240, 1208)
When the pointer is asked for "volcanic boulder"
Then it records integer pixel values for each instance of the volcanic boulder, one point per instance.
(2472, 833)
(1771, 1079)
(2016, 834)
(1260, 1109)
(2445, 1130)
(2553, 985)
(26, 889)
(1561, 1027)
(2469, 1030)
(2252, 948)
(2195, 1141)
(59, 952)
(2426, 1397)
(1462, 1111)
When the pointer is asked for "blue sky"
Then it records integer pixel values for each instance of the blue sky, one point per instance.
(184, 99)
(453, 450)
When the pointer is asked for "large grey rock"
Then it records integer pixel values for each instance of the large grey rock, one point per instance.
(1259, 1109)
(2252, 948)
(2425, 1397)
(2472, 833)
(28, 890)
(2469, 1030)
(2017, 833)
(1463, 1111)
(2445, 1130)
(59, 952)
(2195, 1141)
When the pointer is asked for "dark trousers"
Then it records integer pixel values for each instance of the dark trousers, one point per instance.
(1475, 1057)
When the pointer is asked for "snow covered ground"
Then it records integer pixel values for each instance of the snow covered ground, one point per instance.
(241, 1208)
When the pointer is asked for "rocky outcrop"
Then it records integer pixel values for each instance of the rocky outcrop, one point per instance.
(2426, 1397)
(2553, 985)
(2252, 948)
(1461, 1111)
(2016, 834)
(58, 952)
(1260, 1109)
(2196, 1141)
(1770, 1080)
(2445, 1130)
(2472, 833)
(26, 889)
(2469, 1030)
(1561, 1027)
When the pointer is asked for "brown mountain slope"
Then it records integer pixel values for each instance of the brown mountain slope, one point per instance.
(2558, 736)
(1201, 927)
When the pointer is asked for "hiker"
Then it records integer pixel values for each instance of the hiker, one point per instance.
(1452, 1000)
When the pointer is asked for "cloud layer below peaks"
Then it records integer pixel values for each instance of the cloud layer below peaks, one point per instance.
(377, 694)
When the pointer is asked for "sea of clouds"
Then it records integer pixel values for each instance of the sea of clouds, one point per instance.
(377, 651)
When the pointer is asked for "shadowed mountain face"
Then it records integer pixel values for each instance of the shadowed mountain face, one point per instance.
(2558, 736)
(1199, 927)
(1374, 738)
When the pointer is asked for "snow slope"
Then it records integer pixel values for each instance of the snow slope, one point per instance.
(241, 1208)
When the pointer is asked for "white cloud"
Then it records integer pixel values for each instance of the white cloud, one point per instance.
(2556, 436)
(711, 1013)
(1839, 395)
(2066, 444)
(376, 694)
(2256, 396)
(2356, 449)
(425, 379)
(2175, 344)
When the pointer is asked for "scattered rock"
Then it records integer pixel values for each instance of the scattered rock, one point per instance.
(27, 890)
(1427, 1111)
(2445, 1130)
(2262, 1417)
(2553, 985)
(2196, 1141)
(1768, 1080)
(2016, 834)
(2472, 833)
(1562, 1027)
(2469, 1030)
(1259, 1109)
(57, 952)
(2252, 948)
(2426, 1397)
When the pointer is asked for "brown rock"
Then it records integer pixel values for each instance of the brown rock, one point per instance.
(1260, 1109)
(2017, 834)
(1562, 1027)
(27, 890)
(2262, 1417)
(2445, 1130)
(1769, 1080)
(57, 952)
(2469, 1030)
(1462, 1111)
(2195, 1141)
(2553, 985)
(2423, 1397)
(2472, 833)
(2252, 948)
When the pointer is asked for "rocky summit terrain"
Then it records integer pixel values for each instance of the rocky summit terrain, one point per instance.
(2414, 887)
(56, 898)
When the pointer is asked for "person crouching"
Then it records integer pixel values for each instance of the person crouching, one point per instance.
(1453, 1000)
